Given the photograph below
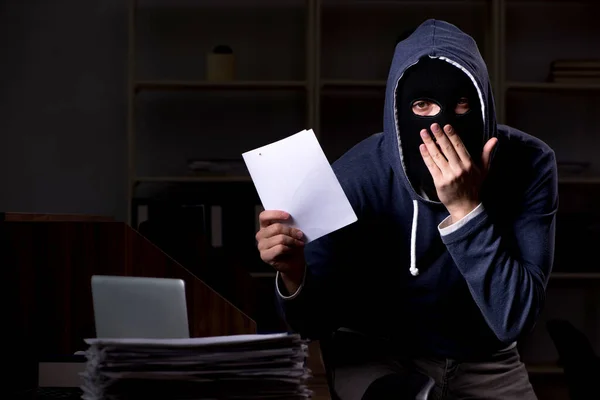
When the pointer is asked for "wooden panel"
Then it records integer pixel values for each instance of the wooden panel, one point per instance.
(48, 268)
(15, 217)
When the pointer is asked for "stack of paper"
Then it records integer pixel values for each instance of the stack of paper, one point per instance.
(224, 367)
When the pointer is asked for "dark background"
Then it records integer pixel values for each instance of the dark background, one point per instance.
(91, 124)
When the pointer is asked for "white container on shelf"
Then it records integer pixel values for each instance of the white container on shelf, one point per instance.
(220, 64)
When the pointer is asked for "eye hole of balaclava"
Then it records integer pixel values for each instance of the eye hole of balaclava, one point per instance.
(435, 91)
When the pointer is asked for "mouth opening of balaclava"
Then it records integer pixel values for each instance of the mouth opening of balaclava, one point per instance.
(444, 88)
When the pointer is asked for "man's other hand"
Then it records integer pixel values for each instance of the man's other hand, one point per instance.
(457, 178)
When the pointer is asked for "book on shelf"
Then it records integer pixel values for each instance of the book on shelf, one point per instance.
(584, 71)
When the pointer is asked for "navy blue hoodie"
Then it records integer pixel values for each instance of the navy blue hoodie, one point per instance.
(458, 292)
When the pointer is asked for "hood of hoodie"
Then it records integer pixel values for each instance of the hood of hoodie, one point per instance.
(442, 40)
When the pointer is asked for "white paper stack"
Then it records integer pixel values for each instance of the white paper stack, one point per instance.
(225, 367)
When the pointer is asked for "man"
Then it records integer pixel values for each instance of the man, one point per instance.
(447, 265)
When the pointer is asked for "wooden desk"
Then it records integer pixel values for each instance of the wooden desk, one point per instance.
(48, 261)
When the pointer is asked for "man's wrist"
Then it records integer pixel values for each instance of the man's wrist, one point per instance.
(291, 285)
(446, 227)
(458, 213)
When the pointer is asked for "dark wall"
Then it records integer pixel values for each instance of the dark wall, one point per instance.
(63, 106)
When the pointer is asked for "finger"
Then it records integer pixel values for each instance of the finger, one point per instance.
(487, 153)
(434, 170)
(282, 229)
(458, 145)
(446, 146)
(269, 217)
(278, 240)
(273, 253)
(278, 229)
(433, 151)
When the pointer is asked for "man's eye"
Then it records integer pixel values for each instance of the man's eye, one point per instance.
(425, 108)
(462, 106)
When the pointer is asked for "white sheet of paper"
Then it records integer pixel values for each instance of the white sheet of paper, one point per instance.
(188, 342)
(294, 175)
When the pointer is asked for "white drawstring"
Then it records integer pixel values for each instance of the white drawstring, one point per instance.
(413, 240)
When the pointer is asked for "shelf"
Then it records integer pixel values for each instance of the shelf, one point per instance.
(350, 87)
(402, 3)
(575, 275)
(590, 180)
(512, 3)
(219, 4)
(549, 86)
(184, 179)
(544, 369)
(208, 85)
(351, 84)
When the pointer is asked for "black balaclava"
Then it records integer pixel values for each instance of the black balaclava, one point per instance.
(444, 84)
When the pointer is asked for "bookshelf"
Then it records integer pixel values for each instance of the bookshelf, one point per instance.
(175, 113)
(323, 64)
(331, 37)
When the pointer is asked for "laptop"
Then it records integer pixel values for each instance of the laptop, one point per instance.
(124, 307)
(139, 307)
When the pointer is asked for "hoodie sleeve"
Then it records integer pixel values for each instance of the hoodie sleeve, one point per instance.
(507, 270)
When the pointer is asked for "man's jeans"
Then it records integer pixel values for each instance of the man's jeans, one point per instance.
(356, 362)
